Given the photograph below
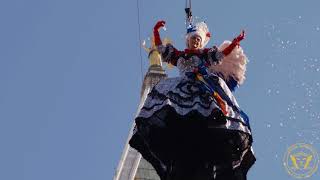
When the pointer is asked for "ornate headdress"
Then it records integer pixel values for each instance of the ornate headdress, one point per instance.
(201, 29)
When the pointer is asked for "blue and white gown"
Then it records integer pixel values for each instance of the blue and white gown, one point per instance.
(181, 119)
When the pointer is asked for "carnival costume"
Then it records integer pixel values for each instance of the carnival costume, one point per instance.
(195, 117)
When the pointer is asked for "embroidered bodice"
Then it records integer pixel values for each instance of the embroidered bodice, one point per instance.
(189, 64)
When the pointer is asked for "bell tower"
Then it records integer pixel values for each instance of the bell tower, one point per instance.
(132, 166)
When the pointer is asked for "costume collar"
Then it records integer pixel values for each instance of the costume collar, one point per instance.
(193, 51)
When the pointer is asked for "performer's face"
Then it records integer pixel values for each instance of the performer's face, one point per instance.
(195, 42)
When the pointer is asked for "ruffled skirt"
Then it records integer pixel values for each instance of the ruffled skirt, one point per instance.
(181, 120)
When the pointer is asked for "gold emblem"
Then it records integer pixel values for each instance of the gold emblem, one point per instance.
(301, 160)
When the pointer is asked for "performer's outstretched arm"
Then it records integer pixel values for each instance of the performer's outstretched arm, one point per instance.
(169, 53)
(156, 34)
(235, 42)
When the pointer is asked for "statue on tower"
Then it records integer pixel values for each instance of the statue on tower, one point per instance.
(154, 54)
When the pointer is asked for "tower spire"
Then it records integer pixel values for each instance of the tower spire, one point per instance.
(132, 165)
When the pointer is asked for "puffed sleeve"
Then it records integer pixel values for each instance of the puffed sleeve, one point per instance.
(169, 53)
(233, 66)
(214, 56)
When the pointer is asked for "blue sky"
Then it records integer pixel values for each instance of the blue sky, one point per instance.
(70, 79)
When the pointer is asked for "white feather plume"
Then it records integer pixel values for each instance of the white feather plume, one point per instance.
(233, 65)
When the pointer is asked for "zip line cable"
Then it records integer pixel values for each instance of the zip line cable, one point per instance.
(139, 27)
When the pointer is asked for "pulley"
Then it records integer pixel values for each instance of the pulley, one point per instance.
(188, 13)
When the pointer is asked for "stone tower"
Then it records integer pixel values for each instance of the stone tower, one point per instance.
(132, 166)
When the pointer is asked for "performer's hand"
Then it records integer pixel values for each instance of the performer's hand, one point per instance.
(239, 38)
(159, 25)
